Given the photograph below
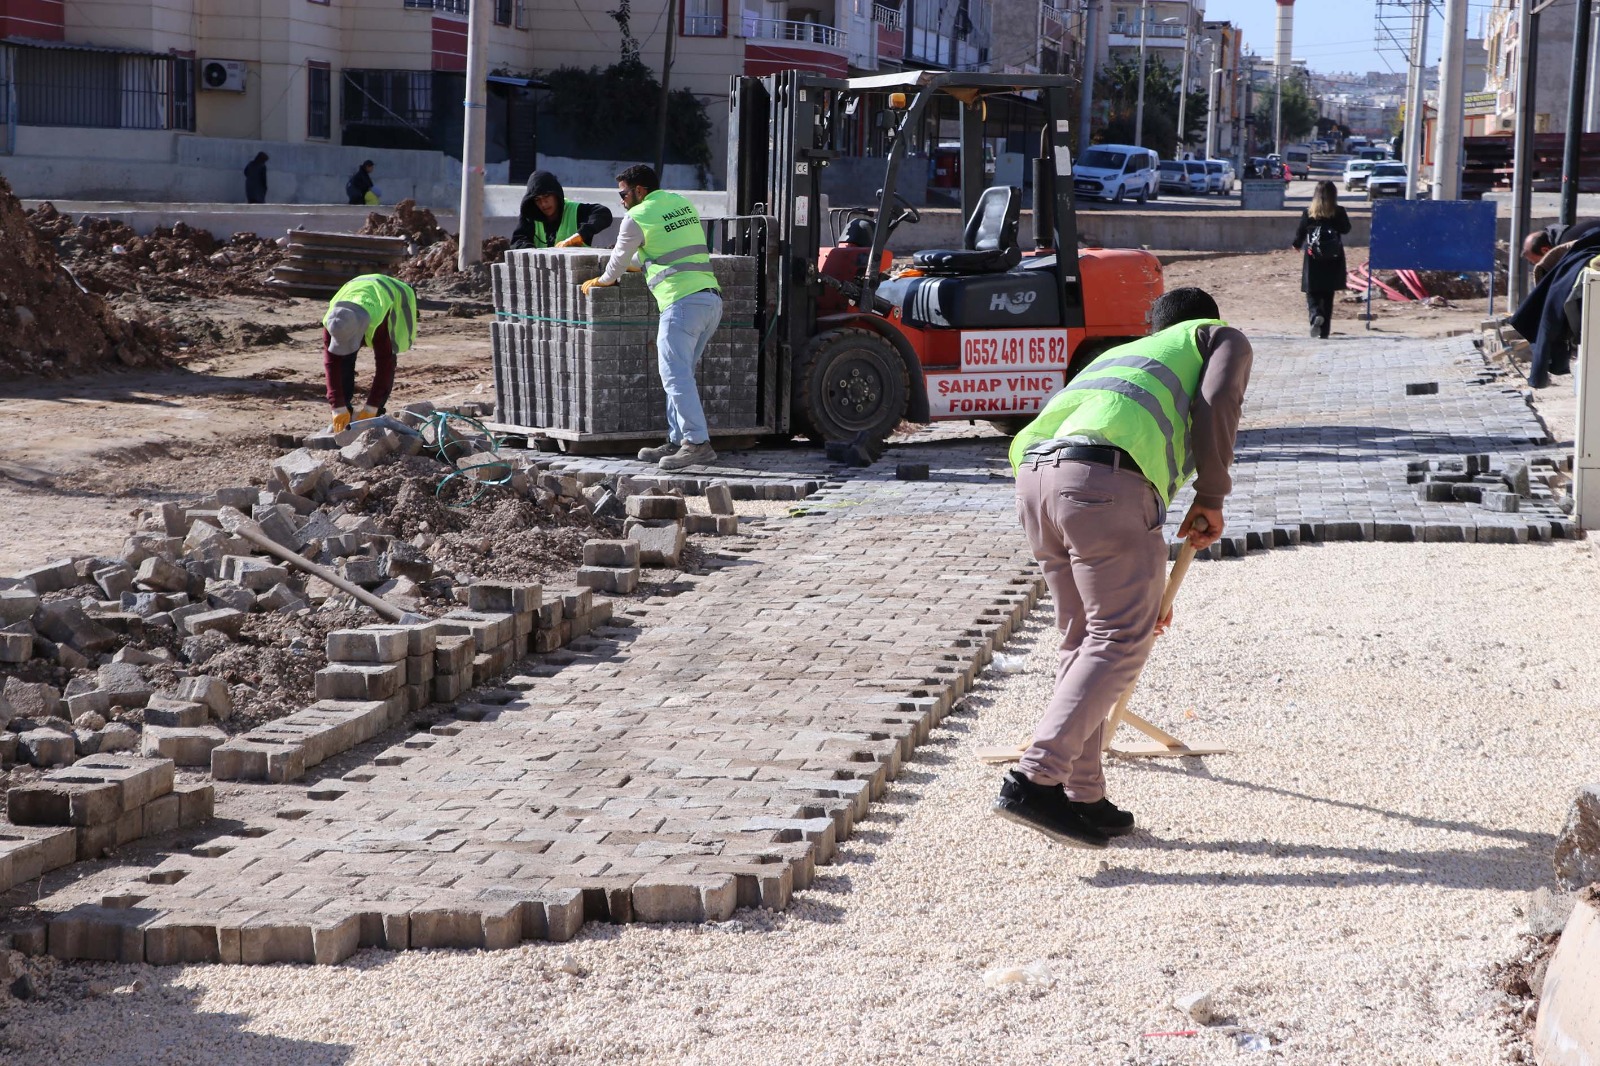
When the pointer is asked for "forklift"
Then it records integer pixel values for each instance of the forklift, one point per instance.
(851, 346)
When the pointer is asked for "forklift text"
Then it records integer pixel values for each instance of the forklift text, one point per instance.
(1020, 349)
(977, 395)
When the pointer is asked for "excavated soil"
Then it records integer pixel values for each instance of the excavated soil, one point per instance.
(49, 325)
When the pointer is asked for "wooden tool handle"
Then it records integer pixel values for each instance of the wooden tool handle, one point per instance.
(1180, 567)
(272, 547)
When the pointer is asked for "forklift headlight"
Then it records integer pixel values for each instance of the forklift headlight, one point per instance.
(897, 101)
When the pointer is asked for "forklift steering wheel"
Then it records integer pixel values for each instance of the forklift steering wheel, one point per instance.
(908, 213)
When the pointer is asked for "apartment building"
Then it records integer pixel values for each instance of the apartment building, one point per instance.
(1553, 73)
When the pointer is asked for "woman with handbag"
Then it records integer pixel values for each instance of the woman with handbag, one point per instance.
(1322, 268)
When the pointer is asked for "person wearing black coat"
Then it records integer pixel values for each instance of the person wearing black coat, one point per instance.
(1322, 268)
(255, 179)
(360, 184)
(548, 221)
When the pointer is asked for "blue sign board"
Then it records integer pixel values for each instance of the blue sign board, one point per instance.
(1433, 235)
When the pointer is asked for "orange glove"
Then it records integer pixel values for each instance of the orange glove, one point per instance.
(341, 421)
(594, 283)
(574, 241)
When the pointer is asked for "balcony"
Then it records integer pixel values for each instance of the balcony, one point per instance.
(1157, 35)
(888, 17)
(891, 32)
(772, 45)
(704, 26)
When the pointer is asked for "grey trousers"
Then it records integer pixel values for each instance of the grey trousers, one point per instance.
(1096, 531)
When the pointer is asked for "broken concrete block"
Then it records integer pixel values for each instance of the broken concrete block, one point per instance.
(257, 575)
(363, 570)
(114, 581)
(28, 699)
(17, 605)
(300, 472)
(191, 746)
(89, 720)
(281, 597)
(1577, 851)
(124, 684)
(405, 560)
(576, 603)
(453, 654)
(117, 737)
(621, 580)
(623, 553)
(176, 713)
(171, 519)
(278, 524)
(489, 629)
(16, 647)
(224, 620)
(353, 681)
(52, 577)
(46, 747)
(660, 543)
(504, 596)
(95, 701)
(229, 594)
(1505, 502)
(719, 497)
(203, 536)
(656, 508)
(212, 692)
(65, 623)
(366, 646)
(159, 575)
(717, 524)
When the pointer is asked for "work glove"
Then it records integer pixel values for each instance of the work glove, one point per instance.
(594, 283)
(366, 413)
(574, 241)
(341, 421)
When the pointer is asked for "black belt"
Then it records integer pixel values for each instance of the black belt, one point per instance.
(1104, 454)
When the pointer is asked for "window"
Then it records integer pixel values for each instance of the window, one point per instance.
(521, 17)
(703, 18)
(396, 98)
(183, 92)
(502, 12)
(100, 90)
(319, 101)
(454, 7)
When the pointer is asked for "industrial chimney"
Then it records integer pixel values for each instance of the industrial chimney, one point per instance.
(1281, 64)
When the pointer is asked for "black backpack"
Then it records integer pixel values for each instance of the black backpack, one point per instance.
(1323, 243)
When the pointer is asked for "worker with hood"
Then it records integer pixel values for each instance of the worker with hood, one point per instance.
(550, 220)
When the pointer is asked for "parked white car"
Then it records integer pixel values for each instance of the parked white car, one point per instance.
(1356, 173)
(1116, 172)
(1219, 177)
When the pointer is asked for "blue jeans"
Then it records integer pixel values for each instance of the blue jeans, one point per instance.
(686, 328)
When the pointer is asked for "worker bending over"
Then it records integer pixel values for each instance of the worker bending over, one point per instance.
(1096, 472)
(550, 220)
(665, 230)
(374, 310)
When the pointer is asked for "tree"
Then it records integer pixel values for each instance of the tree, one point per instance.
(1299, 112)
(611, 114)
(1118, 86)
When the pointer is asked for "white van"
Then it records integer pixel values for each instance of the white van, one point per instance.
(1116, 172)
(1298, 157)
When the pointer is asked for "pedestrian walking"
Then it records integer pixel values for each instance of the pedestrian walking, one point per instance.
(549, 220)
(664, 229)
(255, 179)
(359, 190)
(1096, 472)
(371, 310)
(1322, 269)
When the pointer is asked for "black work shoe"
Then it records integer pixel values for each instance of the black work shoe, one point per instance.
(1046, 809)
(1105, 816)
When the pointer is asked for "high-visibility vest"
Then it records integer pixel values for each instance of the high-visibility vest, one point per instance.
(384, 299)
(1136, 397)
(568, 226)
(676, 259)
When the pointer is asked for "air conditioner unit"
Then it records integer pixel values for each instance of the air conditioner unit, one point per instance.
(225, 75)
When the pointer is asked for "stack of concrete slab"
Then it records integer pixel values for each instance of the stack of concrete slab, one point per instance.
(108, 801)
(587, 363)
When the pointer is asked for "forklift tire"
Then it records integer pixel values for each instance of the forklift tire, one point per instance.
(850, 381)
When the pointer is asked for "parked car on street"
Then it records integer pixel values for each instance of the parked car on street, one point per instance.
(1387, 179)
(1116, 172)
(1356, 173)
(1219, 176)
(1177, 177)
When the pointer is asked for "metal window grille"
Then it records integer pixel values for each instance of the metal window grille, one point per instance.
(101, 90)
(183, 86)
(393, 98)
(502, 12)
(319, 103)
(455, 7)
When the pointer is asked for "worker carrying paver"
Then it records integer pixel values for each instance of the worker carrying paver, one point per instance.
(549, 220)
(375, 310)
(665, 230)
(1096, 472)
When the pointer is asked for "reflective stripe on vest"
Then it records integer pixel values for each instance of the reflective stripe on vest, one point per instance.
(568, 226)
(676, 259)
(384, 299)
(1137, 397)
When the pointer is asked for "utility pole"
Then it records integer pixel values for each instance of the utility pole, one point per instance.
(664, 107)
(1447, 134)
(1522, 158)
(1183, 83)
(1138, 111)
(469, 241)
(1416, 101)
(1213, 93)
(1091, 44)
(1572, 149)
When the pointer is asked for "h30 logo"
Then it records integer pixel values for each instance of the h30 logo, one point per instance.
(1015, 302)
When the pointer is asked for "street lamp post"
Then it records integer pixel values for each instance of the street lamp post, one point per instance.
(1213, 92)
(1138, 110)
(1183, 88)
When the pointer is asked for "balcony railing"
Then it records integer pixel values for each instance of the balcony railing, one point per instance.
(889, 18)
(703, 26)
(788, 30)
(1156, 29)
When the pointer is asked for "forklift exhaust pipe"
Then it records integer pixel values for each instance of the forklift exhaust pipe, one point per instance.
(1044, 193)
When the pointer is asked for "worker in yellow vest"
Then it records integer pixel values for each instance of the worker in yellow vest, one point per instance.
(550, 220)
(371, 310)
(664, 229)
(1096, 472)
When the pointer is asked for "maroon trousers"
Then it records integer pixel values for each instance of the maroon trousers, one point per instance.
(1096, 531)
(341, 372)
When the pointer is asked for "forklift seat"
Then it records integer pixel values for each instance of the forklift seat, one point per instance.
(990, 243)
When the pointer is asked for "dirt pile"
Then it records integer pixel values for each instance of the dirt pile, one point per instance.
(432, 269)
(415, 224)
(49, 325)
(171, 263)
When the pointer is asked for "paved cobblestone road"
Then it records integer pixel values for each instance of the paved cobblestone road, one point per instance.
(710, 754)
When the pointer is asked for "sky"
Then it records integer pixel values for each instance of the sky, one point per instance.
(1335, 35)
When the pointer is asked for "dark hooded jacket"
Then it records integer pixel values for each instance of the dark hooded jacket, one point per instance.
(592, 218)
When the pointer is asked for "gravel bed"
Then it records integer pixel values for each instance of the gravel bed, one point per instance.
(1408, 721)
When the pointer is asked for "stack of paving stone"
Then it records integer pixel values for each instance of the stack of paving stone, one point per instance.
(610, 565)
(721, 521)
(656, 523)
(587, 363)
(107, 801)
